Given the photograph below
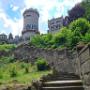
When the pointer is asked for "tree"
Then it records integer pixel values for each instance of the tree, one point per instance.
(63, 37)
(86, 6)
(86, 38)
(42, 40)
(76, 12)
(86, 1)
(80, 26)
(37, 40)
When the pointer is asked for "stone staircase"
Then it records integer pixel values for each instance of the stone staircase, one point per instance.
(60, 82)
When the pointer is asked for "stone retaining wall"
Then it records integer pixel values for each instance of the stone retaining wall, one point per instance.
(3, 53)
(60, 60)
(84, 66)
(77, 62)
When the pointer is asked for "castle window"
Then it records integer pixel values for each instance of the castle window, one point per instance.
(28, 15)
(52, 23)
(57, 21)
(28, 27)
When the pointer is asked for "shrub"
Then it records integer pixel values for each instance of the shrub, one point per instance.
(27, 69)
(1, 74)
(6, 60)
(23, 65)
(80, 26)
(7, 47)
(13, 72)
(41, 64)
(86, 38)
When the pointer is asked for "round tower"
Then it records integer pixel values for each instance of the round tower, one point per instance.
(30, 23)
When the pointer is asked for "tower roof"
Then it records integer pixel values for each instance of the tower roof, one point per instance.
(31, 10)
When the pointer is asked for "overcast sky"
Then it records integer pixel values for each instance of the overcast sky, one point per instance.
(11, 19)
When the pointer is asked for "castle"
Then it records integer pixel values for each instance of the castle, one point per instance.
(31, 27)
(31, 23)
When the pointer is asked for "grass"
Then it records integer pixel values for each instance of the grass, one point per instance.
(12, 71)
(21, 76)
(7, 47)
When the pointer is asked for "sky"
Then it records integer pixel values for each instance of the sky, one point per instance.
(11, 18)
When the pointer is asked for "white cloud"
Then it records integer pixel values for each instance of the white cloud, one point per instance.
(14, 25)
(14, 8)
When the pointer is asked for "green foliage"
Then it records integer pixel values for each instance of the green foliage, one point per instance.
(42, 40)
(86, 38)
(41, 64)
(63, 37)
(13, 72)
(74, 41)
(80, 26)
(23, 65)
(5, 60)
(7, 47)
(21, 72)
(78, 30)
(1, 74)
(86, 5)
(26, 70)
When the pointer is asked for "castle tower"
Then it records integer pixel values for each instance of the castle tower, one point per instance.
(31, 23)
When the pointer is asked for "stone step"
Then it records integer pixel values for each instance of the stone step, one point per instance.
(65, 74)
(59, 78)
(63, 88)
(63, 83)
(61, 75)
(47, 80)
(62, 78)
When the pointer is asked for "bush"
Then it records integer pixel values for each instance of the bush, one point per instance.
(23, 65)
(13, 72)
(27, 69)
(7, 47)
(6, 59)
(86, 38)
(41, 64)
(80, 26)
(1, 74)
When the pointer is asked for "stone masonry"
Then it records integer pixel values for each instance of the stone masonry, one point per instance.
(57, 59)
(77, 62)
(84, 66)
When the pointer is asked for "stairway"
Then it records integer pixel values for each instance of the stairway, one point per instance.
(61, 82)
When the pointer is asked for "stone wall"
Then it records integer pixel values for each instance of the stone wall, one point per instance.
(60, 60)
(65, 60)
(3, 53)
(84, 66)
